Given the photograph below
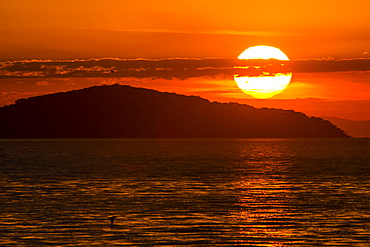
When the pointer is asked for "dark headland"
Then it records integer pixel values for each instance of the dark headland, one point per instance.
(117, 111)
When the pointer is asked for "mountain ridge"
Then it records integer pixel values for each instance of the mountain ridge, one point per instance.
(355, 128)
(122, 111)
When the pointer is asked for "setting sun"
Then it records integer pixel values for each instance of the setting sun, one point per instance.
(266, 84)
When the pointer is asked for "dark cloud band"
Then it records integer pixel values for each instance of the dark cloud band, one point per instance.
(169, 68)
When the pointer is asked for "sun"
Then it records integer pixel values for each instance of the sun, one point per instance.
(257, 79)
(263, 52)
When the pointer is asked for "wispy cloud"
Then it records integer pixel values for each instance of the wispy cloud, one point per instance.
(202, 31)
(191, 31)
(43, 83)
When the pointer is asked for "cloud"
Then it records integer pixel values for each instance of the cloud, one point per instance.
(169, 68)
(180, 68)
(43, 83)
(195, 31)
(330, 65)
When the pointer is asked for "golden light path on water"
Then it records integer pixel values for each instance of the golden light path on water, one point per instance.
(265, 85)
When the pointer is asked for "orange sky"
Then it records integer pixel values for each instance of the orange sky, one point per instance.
(86, 29)
(65, 29)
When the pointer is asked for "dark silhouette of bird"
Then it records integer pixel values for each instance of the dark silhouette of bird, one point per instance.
(112, 218)
(112, 70)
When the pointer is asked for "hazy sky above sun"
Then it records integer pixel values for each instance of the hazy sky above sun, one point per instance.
(65, 29)
(51, 46)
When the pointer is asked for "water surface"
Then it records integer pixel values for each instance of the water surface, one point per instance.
(210, 192)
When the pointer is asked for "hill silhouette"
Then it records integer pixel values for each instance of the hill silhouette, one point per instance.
(118, 111)
(357, 129)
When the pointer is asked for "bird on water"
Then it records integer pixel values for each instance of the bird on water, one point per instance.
(112, 218)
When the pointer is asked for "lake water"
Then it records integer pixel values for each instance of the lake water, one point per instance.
(190, 192)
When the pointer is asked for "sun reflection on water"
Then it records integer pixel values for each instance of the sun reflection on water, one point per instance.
(264, 214)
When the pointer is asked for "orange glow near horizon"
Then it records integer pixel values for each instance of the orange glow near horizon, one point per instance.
(337, 94)
(263, 87)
